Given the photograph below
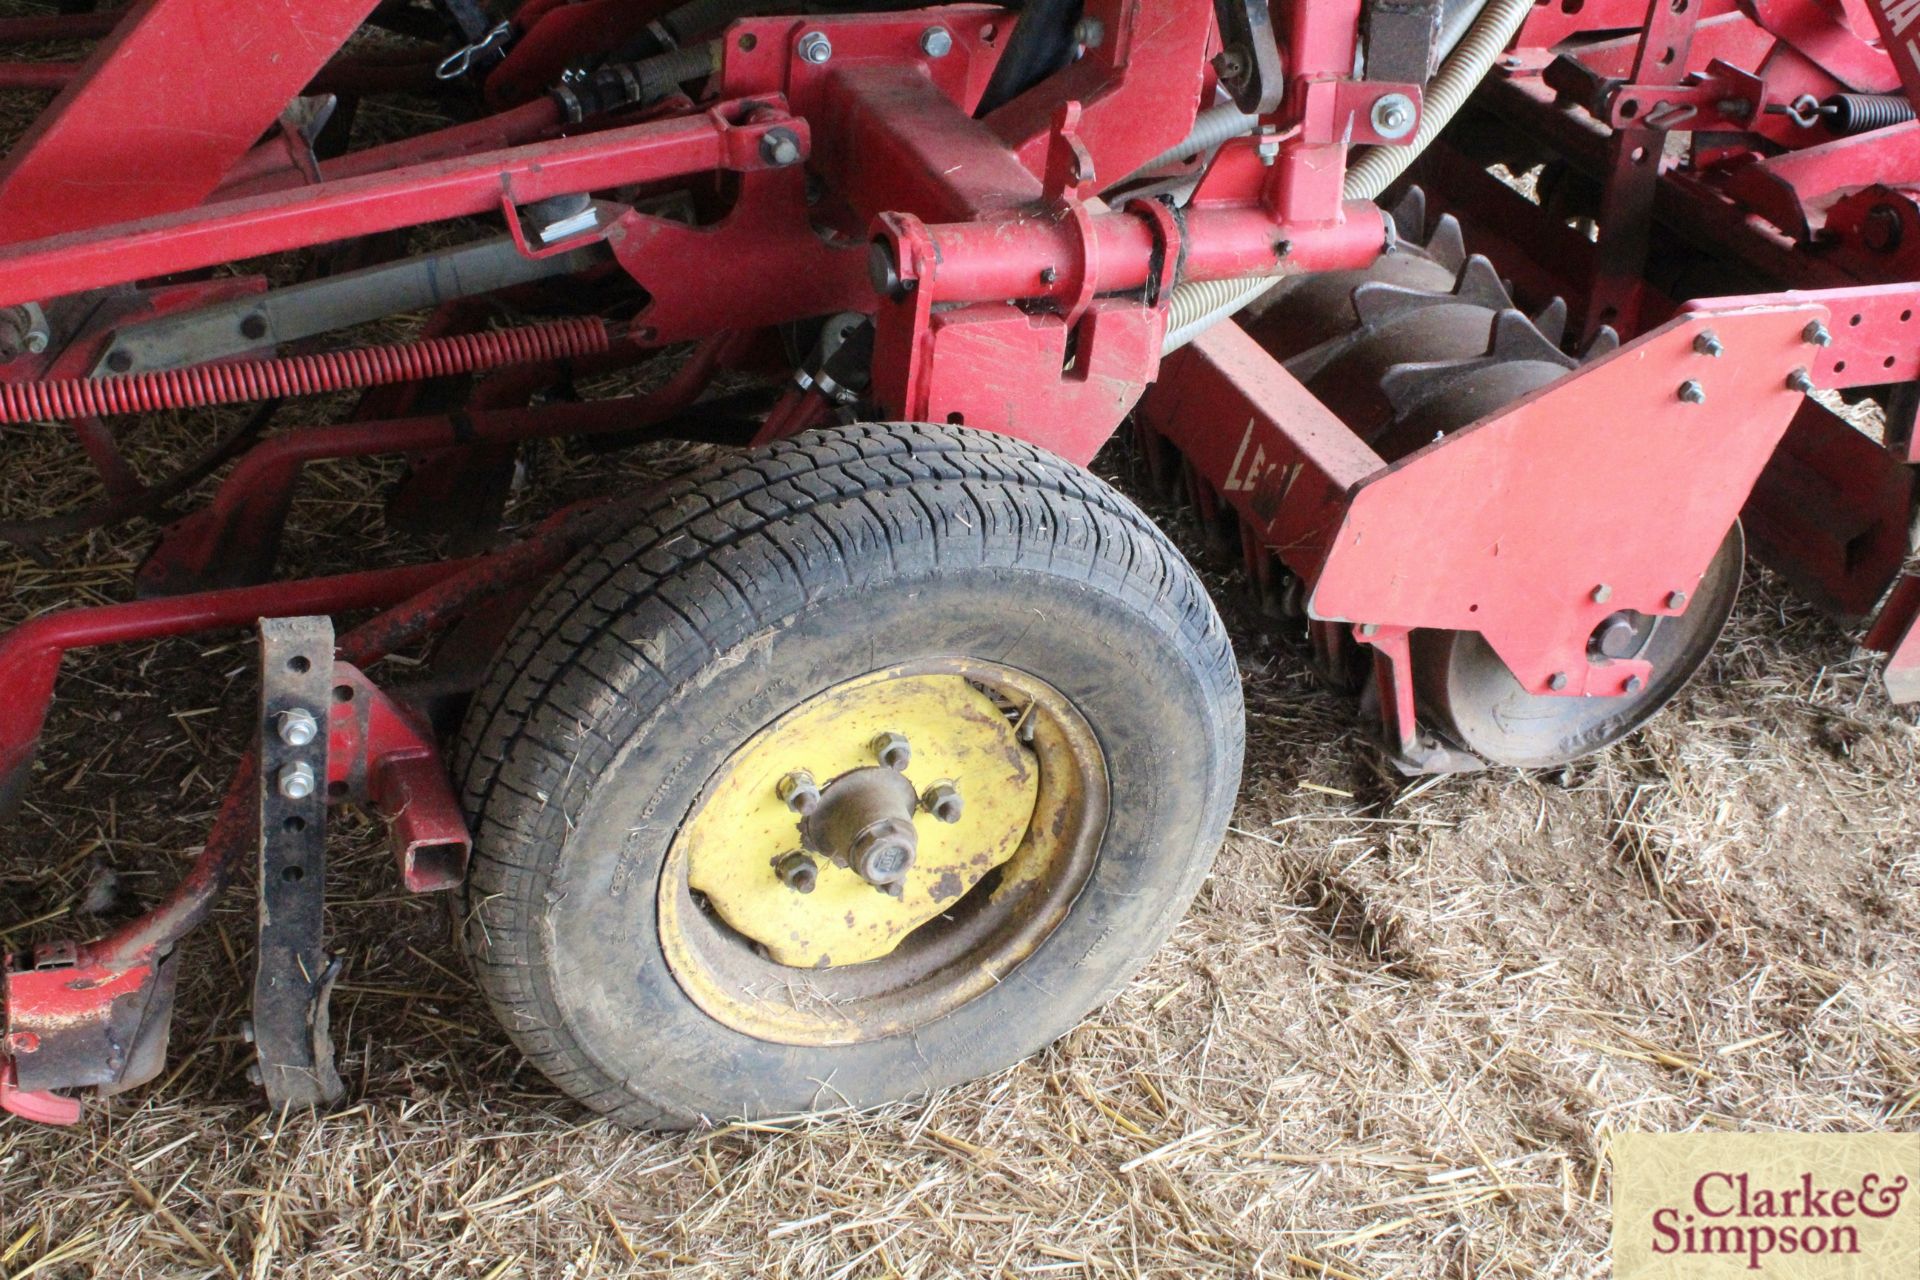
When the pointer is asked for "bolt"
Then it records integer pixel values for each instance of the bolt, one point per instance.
(1048, 275)
(1369, 628)
(296, 780)
(1614, 638)
(1676, 599)
(1816, 333)
(797, 871)
(814, 47)
(36, 340)
(1602, 593)
(254, 326)
(936, 42)
(298, 727)
(246, 1030)
(1881, 229)
(1799, 380)
(778, 147)
(254, 1075)
(1392, 115)
(942, 800)
(1557, 681)
(1269, 146)
(1635, 684)
(1708, 343)
(893, 751)
(22, 1042)
(1692, 392)
(883, 854)
(798, 792)
(119, 361)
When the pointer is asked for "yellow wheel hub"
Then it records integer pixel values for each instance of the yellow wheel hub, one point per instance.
(748, 850)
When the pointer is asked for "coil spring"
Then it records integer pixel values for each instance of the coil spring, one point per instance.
(1864, 112)
(208, 384)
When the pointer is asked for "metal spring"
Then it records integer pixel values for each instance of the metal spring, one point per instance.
(229, 383)
(1865, 112)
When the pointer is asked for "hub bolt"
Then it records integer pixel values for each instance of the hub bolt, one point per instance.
(797, 871)
(1692, 392)
(798, 792)
(883, 853)
(942, 800)
(1708, 344)
(936, 42)
(814, 47)
(1799, 380)
(296, 780)
(1816, 333)
(298, 727)
(893, 751)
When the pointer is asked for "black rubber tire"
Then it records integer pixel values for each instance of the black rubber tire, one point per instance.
(742, 590)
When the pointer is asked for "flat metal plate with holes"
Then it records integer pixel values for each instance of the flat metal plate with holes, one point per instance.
(295, 974)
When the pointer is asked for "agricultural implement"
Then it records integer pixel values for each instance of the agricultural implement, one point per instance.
(1491, 335)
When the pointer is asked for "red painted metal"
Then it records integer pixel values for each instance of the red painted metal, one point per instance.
(381, 753)
(163, 107)
(1896, 633)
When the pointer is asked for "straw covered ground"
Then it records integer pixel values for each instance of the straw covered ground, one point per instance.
(1390, 1040)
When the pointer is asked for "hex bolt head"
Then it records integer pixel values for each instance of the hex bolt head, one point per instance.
(296, 780)
(814, 47)
(1635, 684)
(297, 726)
(798, 792)
(36, 340)
(780, 148)
(1602, 593)
(883, 854)
(1708, 343)
(1676, 599)
(893, 751)
(797, 871)
(1692, 392)
(1800, 380)
(936, 42)
(1817, 334)
(1392, 115)
(246, 1030)
(1557, 681)
(942, 800)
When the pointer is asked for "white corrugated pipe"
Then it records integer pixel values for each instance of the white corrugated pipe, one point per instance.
(1198, 305)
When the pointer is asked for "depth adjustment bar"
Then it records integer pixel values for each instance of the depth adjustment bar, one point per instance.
(295, 975)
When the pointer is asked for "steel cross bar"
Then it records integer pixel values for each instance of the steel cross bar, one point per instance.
(459, 187)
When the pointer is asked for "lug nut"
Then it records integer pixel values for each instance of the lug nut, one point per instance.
(1708, 344)
(797, 871)
(1799, 380)
(296, 780)
(1692, 392)
(893, 751)
(942, 800)
(1816, 333)
(798, 792)
(936, 42)
(814, 47)
(298, 727)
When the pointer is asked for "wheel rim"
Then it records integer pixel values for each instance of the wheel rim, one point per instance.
(782, 910)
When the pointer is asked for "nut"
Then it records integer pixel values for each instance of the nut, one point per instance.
(298, 727)
(798, 792)
(942, 800)
(893, 751)
(814, 47)
(797, 871)
(1392, 115)
(884, 852)
(296, 780)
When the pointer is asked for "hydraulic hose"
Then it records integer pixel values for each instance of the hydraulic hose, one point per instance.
(1197, 305)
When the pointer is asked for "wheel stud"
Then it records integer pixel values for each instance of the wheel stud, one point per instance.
(893, 751)
(798, 872)
(798, 792)
(942, 800)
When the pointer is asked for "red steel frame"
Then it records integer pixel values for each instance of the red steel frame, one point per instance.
(1007, 295)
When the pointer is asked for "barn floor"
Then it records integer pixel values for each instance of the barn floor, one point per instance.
(1390, 1040)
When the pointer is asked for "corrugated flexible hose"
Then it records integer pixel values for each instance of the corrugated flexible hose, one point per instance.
(1198, 305)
